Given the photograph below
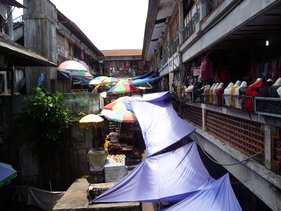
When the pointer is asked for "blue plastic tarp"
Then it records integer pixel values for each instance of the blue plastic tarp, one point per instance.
(137, 82)
(147, 75)
(160, 125)
(168, 177)
(218, 196)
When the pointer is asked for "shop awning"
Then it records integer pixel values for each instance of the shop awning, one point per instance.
(18, 55)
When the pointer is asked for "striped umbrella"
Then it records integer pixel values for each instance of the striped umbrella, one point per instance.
(123, 81)
(81, 74)
(118, 105)
(97, 80)
(121, 116)
(121, 88)
(109, 80)
(71, 65)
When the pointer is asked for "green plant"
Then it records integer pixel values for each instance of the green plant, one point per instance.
(45, 119)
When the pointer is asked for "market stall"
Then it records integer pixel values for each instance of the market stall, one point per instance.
(115, 168)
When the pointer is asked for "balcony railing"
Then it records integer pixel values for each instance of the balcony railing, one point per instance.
(211, 5)
(190, 27)
(173, 48)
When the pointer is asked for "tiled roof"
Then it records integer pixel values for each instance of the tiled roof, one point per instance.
(129, 52)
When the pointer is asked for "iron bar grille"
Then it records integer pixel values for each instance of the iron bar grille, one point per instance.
(193, 115)
(244, 135)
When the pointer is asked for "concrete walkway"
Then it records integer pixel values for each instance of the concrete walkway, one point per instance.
(75, 198)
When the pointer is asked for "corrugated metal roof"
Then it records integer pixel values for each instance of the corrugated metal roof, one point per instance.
(15, 3)
(18, 55)
(129, 52)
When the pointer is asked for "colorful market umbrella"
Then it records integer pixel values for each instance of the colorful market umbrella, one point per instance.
(123, 81)
(109, 80)
(71, 65)
(118, 105)
(7, 173)
(97, 80)
(91, 120)
(121, 116)
(81, 74)
(121, 88)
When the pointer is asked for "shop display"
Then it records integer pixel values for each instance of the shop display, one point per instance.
(116, 159)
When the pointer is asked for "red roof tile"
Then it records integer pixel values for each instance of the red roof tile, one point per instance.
(129, 52)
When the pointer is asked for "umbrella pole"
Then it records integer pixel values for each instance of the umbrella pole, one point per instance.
(119, 128)
(94, 138)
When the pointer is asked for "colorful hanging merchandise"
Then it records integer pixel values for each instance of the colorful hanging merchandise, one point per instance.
(222, 72)
(253, 91)
(207, 69)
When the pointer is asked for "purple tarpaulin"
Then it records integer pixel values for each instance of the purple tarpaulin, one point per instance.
(168, 177)
(160, 125)
(217, 196)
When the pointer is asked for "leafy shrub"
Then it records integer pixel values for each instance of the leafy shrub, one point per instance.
(45, 119)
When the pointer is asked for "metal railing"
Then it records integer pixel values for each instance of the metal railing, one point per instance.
(211, 5)
(18, 19)
(190, 27)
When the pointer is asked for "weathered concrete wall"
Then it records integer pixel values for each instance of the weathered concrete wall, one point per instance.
(40, 36)
(62, 166)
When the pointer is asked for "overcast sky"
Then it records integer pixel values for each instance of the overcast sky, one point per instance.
(109, 24)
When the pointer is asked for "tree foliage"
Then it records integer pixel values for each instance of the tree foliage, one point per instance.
(45, 118)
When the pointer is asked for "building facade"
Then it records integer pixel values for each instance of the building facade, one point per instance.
(205, 45)
(58, 39)
(124, 63)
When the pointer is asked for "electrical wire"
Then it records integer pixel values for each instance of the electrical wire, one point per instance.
(230, 164)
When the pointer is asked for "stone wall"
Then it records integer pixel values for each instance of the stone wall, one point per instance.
(61, 167)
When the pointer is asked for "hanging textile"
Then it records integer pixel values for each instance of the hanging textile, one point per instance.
(253, 91)
(207, 69)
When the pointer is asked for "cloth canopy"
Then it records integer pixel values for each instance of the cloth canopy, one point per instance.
(159, 134)
(217, 196)
(168, 177)
(147, 75)
(137, 82)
